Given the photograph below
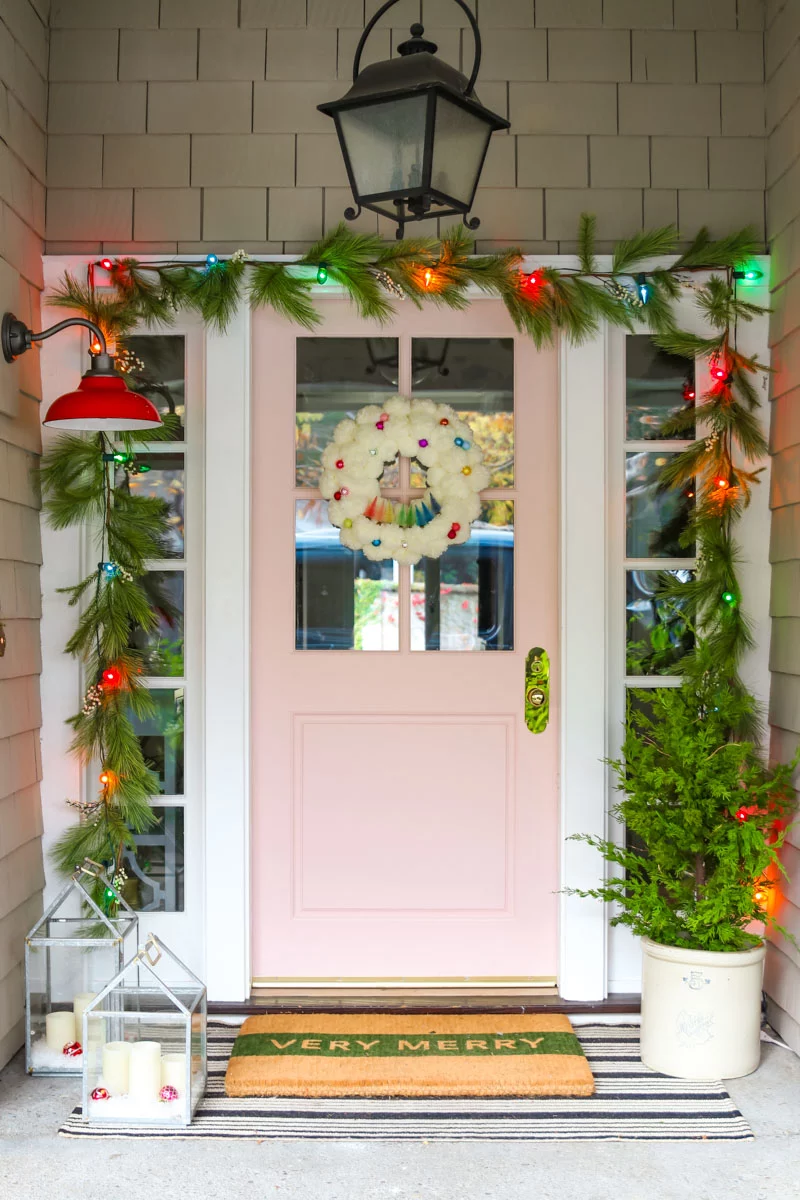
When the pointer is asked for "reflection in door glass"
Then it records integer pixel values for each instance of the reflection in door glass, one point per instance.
(658, 636)
(156, 868)
(342, 600)
(159, 373)
(162, 475)
(476, 377)
(658, 385)
(162, 648)
(655, 518)
(465, 599)
(161, 738)
(335, 378)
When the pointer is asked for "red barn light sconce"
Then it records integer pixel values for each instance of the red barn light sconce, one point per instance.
(102, 402)
(412, 132)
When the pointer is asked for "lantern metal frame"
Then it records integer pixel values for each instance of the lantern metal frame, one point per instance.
(425, 75)
(147, 957)
(120, 928)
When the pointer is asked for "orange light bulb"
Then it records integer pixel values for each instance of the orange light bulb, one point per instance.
(721, 483)
(428, 277)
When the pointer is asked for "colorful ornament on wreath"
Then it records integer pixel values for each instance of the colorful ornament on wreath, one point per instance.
(168, 1093)
(353, 463)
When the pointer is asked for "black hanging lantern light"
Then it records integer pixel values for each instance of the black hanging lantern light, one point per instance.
(412, 132)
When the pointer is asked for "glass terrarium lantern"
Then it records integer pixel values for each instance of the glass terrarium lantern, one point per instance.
(145, 1037)
(70, 955)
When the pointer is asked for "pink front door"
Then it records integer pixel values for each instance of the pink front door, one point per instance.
(405, 822)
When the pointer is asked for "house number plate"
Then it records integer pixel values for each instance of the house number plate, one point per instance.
(537, 690)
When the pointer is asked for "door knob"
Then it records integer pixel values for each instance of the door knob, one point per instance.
(537, 690)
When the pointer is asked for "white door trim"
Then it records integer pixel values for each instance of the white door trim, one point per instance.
(227, 661)
(582, 935)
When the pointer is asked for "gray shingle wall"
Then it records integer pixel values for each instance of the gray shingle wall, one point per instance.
(191, 124)
(783, 208)
(23, 106)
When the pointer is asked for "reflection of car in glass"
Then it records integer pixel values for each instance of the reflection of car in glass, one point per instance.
(325, 586)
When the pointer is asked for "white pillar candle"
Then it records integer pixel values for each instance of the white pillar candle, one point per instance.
(59, 1030)
(173, 1072)
(144, 1081)
(79, 1003)
(116, 1061)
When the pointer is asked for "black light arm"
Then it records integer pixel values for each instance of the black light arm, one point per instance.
(390, 4)
(16, 338)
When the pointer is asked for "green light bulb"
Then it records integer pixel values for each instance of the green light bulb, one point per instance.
(322, 273)
(729, 598)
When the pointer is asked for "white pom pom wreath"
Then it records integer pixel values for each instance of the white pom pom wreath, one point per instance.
(353, 464)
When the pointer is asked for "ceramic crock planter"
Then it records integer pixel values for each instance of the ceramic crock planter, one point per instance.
(701, 1011)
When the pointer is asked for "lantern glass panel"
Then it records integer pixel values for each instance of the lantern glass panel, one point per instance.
(71, 954)
(61, 979)
(459, 145)
(385, 143)
(145, 1059)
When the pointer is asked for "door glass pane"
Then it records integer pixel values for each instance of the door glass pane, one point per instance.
(335, 378)
(657, 634)
(476, 377)
(163, 477)
(161, 739)
(657, 385)
(655, 518)
(343, 601)
(158, 371)
(465, 599)
(155, 869)
(162, 647)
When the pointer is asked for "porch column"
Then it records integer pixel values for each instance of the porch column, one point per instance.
(584, 565)
(227, 660)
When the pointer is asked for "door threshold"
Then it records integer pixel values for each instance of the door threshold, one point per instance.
(527, 1000)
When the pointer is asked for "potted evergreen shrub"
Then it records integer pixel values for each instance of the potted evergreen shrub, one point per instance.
(706, 818)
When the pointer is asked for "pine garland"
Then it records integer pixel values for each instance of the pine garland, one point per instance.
(543, 304)
(77, 478)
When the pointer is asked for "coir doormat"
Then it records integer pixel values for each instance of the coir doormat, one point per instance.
(354, 1054)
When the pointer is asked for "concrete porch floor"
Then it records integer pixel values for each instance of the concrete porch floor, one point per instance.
(35, 1163)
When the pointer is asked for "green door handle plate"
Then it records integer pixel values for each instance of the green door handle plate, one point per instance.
(537, 690)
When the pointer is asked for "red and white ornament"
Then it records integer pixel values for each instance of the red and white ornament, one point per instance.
(73, 1049)
(101, 1094)
(168, 1093)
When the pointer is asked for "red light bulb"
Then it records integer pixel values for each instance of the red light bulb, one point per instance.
(688, 392)
(106, 264)
(112, 677)
(719, 372)
(532, 282)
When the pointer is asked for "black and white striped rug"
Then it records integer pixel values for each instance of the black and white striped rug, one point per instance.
(630, 1103)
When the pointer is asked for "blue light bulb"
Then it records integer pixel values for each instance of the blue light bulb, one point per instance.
(211, 260)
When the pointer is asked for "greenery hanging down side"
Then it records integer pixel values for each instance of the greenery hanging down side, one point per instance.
(79, 490)
(719, 467)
